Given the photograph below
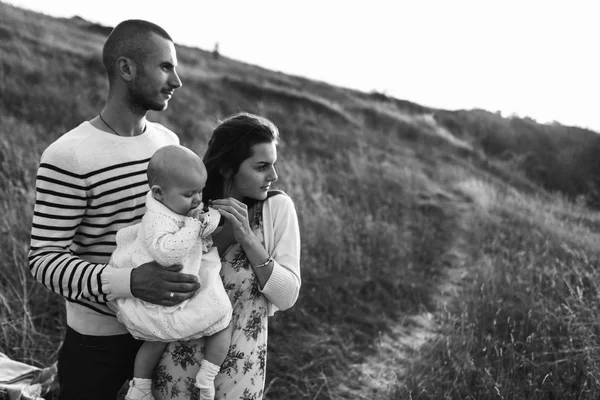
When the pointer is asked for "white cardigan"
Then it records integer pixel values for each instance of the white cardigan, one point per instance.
(282, 241)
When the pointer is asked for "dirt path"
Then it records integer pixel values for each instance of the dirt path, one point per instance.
(383, 372)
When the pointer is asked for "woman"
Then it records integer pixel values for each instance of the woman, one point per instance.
(259, 247)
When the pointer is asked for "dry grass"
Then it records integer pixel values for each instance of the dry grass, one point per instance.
(370, 249)
(428, 270)
(526, 326)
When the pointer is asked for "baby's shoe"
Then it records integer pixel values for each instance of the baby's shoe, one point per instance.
(139, 389)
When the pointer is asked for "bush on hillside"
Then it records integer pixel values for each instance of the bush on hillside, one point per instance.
(558, 158)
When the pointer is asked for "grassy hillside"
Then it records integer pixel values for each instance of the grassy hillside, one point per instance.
(559, 158)
(434, 265)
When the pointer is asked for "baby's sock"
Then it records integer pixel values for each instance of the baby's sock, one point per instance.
(140, 389)
(205, 380)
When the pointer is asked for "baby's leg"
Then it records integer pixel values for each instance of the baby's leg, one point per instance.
(215, 351)
(146, 360)
(217, 346)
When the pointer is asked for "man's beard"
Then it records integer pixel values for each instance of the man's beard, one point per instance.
(138, 100)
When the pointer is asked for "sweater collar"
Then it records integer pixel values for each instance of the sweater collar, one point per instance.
(156, 206)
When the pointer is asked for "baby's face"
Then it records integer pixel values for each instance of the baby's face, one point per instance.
(184, 192)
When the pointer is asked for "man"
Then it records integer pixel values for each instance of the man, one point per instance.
(91, 182)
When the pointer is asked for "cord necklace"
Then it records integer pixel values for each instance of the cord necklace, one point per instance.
(106, 123)
(112, 129)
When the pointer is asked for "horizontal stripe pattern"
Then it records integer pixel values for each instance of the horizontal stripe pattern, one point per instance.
(75, 219)
(86, 190)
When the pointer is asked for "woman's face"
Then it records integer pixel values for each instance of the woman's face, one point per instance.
(256, 173)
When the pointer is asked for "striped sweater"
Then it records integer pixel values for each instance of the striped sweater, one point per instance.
(89, 185)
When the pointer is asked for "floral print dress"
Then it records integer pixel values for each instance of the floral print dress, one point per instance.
(242, 375)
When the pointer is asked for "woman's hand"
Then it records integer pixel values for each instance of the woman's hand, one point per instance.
(236, 213)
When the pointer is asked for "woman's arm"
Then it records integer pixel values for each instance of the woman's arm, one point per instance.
(282, 238)
(279, 279)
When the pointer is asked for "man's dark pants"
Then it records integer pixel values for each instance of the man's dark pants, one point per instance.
(95, 367)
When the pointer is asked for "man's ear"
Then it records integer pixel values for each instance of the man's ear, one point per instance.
(157, 192)
(126, 68)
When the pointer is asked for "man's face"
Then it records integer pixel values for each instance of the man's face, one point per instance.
(155, 77)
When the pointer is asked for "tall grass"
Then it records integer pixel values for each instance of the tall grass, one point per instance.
(368, 259)
(29, 314)
(527, 325)
(406, 233)
(370, 250)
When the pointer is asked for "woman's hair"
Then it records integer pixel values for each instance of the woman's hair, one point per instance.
(231, 143)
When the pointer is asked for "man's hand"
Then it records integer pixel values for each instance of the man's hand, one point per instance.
(164, 286)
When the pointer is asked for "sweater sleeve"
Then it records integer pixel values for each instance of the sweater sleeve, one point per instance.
(167, 243)
(283, 286)
(60, 205)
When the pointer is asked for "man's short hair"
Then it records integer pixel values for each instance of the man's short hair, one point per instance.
(127, 39)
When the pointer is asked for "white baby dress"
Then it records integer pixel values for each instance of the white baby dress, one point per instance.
(170, 239)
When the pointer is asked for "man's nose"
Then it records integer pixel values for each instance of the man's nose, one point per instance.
(174, 80)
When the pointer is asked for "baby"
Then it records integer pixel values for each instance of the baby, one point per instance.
(175, 230)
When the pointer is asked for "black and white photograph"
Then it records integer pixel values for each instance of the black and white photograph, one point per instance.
(283, 200)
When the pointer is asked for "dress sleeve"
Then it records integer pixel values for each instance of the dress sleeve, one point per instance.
(283, 286)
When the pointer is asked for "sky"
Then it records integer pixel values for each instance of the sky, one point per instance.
(531, 58)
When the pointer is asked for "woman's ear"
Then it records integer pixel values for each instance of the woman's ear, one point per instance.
(157, 192)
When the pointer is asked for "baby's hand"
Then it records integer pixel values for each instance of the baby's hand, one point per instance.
(196, 213)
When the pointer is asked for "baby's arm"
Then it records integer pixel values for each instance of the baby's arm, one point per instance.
(209, 218)
(168, 243)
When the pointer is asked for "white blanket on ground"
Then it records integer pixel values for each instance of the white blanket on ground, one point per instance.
(20, 381)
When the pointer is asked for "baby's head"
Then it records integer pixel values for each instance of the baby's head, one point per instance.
(176, 176)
